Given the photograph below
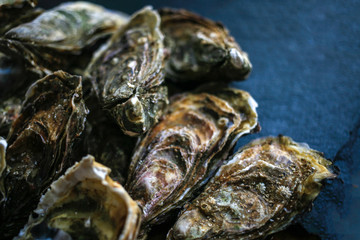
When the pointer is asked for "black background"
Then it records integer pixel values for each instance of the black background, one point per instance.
(306, 57)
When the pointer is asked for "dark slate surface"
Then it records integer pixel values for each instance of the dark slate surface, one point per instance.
(306, 58)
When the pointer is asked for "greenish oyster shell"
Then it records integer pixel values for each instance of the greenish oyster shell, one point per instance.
(40, 144)
(201, 50)
(258, 192)
(85, 203)
(60, 38)
(178, 155)
(127, 73)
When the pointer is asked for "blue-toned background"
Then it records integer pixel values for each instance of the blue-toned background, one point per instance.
(306, 59)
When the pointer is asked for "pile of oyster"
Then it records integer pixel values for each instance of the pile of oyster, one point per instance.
(115, 124)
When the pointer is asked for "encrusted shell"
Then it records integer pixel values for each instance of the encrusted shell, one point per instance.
(180, 153)
(201, 50)
(58, 38)
(40, 143)
(85, 203)
(68, 27)
(128, 71)
(258, 192)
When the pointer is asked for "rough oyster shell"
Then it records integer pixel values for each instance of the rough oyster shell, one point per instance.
(58, 39)
(201, 50)
(258, 192)
(128, 71)
(85, 203)
(68, 27)
(179, 154)
(39, 145)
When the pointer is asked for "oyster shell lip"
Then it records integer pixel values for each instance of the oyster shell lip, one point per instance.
(89, 170)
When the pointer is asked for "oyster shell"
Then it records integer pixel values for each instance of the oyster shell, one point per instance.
(258, 192)
(178, 155)
(58, 39)
(85, 203)
(201, 50)
(39, 145)
(3, 146)
(127, 73)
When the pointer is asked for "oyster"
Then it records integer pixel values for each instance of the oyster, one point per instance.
(39, 146)
(85, 203)
(181, 152)
(58, 39)
(258, 192)
(3, 146)
(128, 71)
(201, 50)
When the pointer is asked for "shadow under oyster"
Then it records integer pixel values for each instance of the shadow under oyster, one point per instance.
(127, 73)
(40, 143)
(258, 192)
(85, 203)
(181, 152)
(201, 50)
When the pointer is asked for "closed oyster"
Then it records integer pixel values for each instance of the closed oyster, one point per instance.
(128, 71)
(85, 203)
(58, 39)
(181, 152)
(39, 146)
(258, 192)
(3, 146)
(201, 50)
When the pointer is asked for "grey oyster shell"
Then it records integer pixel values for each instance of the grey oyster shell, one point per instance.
(60, 38)
(85, 203)
(128, 71)
(181, 152)
(201, 50)
(40, 144)
(258, 192)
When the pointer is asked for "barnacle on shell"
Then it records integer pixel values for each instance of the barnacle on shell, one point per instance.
(261, 189)
(85, 203)
(181, 152)
(40, 143)
(201, 50)
(127, 73)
